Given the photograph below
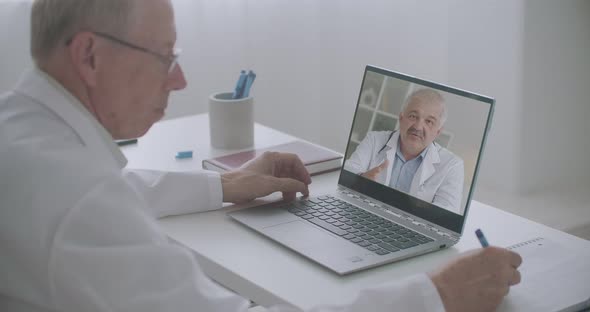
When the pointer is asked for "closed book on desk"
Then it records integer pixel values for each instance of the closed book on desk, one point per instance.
(315, 158)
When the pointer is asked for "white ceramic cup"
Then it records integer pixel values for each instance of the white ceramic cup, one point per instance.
(231, 121)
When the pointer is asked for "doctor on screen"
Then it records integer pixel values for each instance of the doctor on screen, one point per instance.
(408, 159)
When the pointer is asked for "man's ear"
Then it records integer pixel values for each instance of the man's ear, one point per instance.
(82, 50)
(439, 131)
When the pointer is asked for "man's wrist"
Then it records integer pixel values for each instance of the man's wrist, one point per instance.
(226, 186)
(438, 283)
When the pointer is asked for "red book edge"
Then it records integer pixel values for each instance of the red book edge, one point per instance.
(317, 159)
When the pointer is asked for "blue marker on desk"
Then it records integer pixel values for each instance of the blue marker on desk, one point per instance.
(240, 85)
(482, 239)
(184, 155)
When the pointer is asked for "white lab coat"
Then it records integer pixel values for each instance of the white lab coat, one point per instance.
(79, 234)
(438, 180)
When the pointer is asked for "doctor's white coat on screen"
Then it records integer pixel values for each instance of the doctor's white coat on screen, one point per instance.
(438, 180)
(78, 232)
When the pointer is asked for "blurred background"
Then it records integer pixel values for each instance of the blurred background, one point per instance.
(533, 56)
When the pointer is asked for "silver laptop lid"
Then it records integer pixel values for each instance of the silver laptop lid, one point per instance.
(416, 145)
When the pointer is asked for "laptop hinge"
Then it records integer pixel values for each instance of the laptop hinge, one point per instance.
(432, 227)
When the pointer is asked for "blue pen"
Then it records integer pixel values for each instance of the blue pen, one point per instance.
(482, 239)
(249, 82)
(126, 142)
(239, 90)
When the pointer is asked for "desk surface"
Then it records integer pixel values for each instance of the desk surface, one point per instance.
(267, 273)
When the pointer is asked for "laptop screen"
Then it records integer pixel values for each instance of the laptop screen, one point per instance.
(416, 145)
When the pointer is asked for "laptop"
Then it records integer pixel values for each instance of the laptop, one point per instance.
(385, 211)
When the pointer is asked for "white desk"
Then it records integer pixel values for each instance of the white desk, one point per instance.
(267, 273)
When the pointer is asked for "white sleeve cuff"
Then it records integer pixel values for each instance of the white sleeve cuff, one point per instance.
(415, 293)
(174, 193)
(419, 294)
(215, 189)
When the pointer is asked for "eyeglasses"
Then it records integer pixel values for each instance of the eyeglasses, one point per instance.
(169, 60)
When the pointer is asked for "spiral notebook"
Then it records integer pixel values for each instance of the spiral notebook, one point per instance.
(554, 278)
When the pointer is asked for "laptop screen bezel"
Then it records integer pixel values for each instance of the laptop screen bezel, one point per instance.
(403, 201)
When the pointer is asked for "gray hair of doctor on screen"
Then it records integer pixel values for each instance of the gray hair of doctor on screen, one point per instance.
(429, 95)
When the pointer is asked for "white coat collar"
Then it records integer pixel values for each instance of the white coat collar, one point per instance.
(426, 169)
(42, 88)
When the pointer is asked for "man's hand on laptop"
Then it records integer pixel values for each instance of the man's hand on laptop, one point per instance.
(478, 280)
(374, 172)
(268, 173)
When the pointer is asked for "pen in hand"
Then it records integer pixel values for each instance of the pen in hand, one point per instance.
(126, 142)
(482, 239)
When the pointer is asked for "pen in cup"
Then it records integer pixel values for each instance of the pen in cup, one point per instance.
(240, 85)
(482, 239)
(249, 81)
(244, 84)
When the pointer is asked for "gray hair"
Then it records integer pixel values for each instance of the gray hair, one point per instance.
(53, 22)
(428, 95)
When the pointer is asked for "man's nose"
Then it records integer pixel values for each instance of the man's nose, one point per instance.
(177, 79)
(419, 124)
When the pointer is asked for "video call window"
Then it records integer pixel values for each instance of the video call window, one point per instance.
(416, 139)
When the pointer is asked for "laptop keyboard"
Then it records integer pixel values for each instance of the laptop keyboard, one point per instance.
(377, 234)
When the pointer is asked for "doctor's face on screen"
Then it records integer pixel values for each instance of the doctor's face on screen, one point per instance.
(420, 122)
(133, 87)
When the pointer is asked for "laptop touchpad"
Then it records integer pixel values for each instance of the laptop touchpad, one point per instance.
(301, 235)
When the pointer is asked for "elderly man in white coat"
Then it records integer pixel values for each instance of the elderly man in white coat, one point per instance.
(78, 231)
(408, 159)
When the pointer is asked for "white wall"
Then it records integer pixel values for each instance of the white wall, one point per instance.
(556, 115)
(310, 56)
(485, 56)
(14, 37)
(213, 40)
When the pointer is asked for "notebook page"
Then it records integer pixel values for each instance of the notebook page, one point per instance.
(554, 278)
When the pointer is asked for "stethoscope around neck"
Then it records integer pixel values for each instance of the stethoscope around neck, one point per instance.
(387, 141)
